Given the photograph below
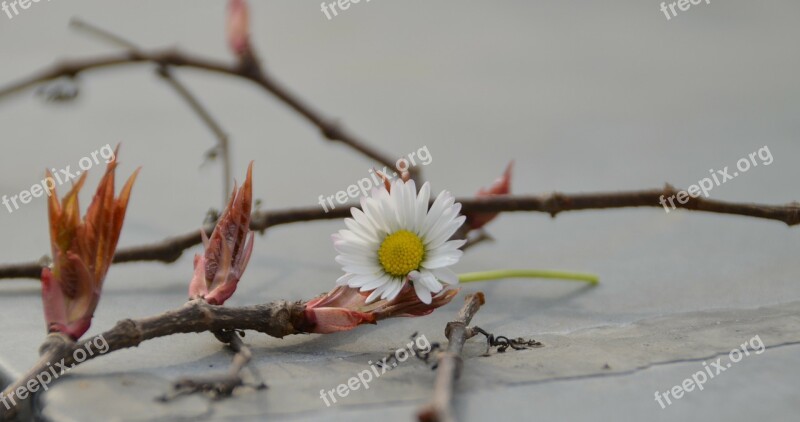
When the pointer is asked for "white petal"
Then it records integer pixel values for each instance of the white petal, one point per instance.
(447, 217)
(422, 293)
(395, 291)
(438, 229)
(367, 233)
(442, 260)
(442, 203)
(430, 281)
(358, 266)
(387, 207)
(344, 247)
(450, 245)
(445, 233)
(437, 208)
(373, 210)
(410, 206)
(422, 206)
(381, 282)
(341, 281)
(392, 289)
(357, 260)
(375, 294)
(363, 269)
(351, 237)
(442, 252)
(399, 203)
(361, 280)
(445, 275)
(361, 225)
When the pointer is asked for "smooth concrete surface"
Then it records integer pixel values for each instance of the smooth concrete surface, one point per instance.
(584, 96)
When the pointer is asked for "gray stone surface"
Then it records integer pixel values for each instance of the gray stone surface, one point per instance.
(585, 96)
(600, 355)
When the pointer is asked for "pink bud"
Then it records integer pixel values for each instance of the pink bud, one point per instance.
(345, 308)
(387, 182)
(227, 251)
(238, 27)
(82, 252)
(501, 186)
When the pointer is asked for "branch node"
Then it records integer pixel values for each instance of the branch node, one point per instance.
(332, 131)
(130, 329)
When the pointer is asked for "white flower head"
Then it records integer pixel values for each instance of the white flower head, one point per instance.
(394, 239)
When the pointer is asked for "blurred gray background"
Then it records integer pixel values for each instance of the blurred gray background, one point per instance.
(584, 96)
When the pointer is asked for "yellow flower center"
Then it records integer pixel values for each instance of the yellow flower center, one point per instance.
(400, 253)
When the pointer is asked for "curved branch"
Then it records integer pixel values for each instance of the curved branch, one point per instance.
(330, 129)
(170, 249)
(276, 319)
(223, 144)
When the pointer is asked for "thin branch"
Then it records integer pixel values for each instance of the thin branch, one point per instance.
(502, 343)
(330, 129)
(440, 409)
(172, 248)
(102, 34)
(277, 319)
(51, 351)
(220, 385)
(223, 146)
(23, 270)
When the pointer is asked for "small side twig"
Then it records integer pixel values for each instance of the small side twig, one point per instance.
(449, 363)
(421, 354)
(163, 70)
(502, 343)
(219, 386)
(330, 129)
(223, 144)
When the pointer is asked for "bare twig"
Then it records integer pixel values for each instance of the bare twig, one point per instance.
(51, 351)
(172, 248)
(421, 354)
(220, 385)
(223, 148)
(276, 319)
(223, 144)
(502, 343)
(102, 34)
(449, 363)
(330, 129)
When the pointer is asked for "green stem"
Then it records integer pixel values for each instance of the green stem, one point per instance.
(552, 274)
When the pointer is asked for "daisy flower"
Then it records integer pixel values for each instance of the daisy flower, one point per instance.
(396, 239)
